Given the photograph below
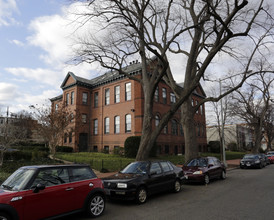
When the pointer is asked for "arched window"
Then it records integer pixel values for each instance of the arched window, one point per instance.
(174, 127)
(157, 120)
(181, 130)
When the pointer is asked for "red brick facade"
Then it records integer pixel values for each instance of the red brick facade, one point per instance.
(104, 106)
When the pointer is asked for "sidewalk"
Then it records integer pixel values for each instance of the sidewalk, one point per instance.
(231, 164)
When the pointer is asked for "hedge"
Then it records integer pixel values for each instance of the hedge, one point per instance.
(132, 146)
(65, 149)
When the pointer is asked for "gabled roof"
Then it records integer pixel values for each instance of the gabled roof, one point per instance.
(103, 79)
(59, 97)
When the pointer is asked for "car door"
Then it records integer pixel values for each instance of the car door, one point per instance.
(168, 175)
(219, 169)
(155, 180)
(212, 168)
(55, 199)
(82, 182)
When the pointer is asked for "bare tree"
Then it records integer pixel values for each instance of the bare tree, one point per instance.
(52, 125)
(252, 103)
(216, 117)
(13, 130)
(198, 31)
(269, 126)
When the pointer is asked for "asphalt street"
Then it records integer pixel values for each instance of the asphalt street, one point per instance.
(245, 194)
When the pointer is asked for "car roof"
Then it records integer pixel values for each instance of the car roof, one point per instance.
(54, 166)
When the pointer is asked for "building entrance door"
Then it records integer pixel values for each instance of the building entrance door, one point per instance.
(83, 142)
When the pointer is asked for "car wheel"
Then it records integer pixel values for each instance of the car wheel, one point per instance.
(141, 195)
(4, 216)
(96, 205)
(206, 179)
(177, 186)
(223, 175)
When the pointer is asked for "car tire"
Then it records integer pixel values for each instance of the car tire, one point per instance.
(206, 180)
(177, 186)
(96, 205)
(141, 195)
(4, 216)
(223, 175)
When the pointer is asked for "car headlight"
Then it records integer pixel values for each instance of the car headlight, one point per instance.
(122, 185)
(198, 172)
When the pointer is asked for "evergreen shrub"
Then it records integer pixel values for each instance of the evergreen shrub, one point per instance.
(64, 149)
(132, 146)
(214, 146)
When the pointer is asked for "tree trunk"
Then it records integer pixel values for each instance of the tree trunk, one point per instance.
(1, 157)
(187, 120)
(147, 140)
(258, 138)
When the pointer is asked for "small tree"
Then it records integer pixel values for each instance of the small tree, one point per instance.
(14, 130)
(52, 125)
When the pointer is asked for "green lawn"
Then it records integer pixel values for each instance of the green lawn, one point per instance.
(109, 162)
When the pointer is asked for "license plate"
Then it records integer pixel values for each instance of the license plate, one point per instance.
(120, 193)
(248, 165)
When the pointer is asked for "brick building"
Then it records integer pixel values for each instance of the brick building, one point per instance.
(111, 109)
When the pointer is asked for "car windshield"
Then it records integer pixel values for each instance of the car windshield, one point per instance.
(136, 167)
(249, 156)
(18, 180)
(199, 162)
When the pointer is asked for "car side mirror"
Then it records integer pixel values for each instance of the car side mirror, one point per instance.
(210, 165)
(39, 187)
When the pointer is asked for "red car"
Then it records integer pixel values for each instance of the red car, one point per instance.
(270, 158)
(38, 192)
(204, 169)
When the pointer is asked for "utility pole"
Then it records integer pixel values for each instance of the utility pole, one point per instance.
(7, 120)
(222, 121)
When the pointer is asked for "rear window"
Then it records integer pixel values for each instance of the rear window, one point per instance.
(199, 162)
(166, 166)
(81, 173)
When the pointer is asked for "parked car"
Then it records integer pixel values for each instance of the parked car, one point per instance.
(38, 192)
(140, 179)
(270, 152)
(252, 161)
(204, 169)
(265, 159)
(270, 158)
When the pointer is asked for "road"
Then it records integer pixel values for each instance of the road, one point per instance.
(245, 194)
